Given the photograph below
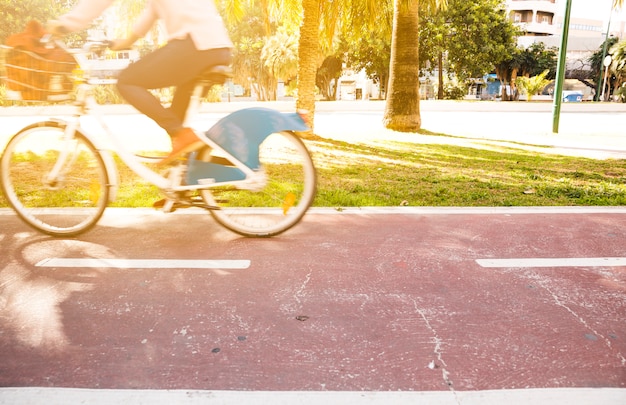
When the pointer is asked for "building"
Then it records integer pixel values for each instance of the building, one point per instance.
(536, 18)
(542, 21)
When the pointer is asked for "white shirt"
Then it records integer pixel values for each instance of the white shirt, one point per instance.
(197, 18)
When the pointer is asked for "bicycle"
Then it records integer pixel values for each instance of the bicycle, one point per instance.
(254, 175)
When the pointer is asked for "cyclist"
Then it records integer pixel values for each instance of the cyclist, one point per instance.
(197, 40)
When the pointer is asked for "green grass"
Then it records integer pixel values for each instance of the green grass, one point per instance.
(393, 174)
(408, 174)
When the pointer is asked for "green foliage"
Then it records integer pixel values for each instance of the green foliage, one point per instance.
(475, 35)
(541, 59)
(618, 68)
(454, 90)
(214, 95)
(526, 62)
(249, 28)
(280, 55)
(596, 59)
(394, 173)
(15, 14)
(3, 97)
(330, 71)
(370, 52)
(107, 94)
(532, 85)
(387, 174)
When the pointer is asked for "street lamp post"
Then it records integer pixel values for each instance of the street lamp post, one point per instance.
(606, 62)
(560, 75)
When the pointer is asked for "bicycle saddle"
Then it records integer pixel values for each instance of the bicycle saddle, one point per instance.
(216, 74)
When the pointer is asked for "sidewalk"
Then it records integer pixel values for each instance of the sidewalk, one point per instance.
(587, 130)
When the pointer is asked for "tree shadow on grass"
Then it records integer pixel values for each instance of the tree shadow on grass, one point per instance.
(406, 173)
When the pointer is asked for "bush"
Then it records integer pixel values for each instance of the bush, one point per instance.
(215, 94)
(454, 91)
(107, 94)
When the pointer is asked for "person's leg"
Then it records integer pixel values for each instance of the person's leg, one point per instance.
(182, 94)
(176, 64)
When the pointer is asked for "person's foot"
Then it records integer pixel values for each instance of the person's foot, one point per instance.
(184, 141)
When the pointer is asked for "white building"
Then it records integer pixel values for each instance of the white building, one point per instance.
(536, 18)
(542, 21)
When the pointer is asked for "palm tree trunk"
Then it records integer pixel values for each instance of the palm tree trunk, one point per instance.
(402, 112)
(307, 57)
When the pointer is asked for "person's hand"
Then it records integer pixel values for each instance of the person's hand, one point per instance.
(123, 44)
(55, 27)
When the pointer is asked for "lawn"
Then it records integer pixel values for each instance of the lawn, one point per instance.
(411, 174)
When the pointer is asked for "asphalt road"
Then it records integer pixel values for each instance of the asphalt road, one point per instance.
(446, 306)
(397, 305)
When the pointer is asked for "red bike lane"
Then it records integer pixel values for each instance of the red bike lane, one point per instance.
(396, 300)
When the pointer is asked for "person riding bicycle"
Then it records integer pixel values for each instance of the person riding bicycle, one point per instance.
(197, 40)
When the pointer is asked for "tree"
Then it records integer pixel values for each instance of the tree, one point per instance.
(370, 53)
(618, 68)
(473, 35)
(525, 62)
(540, 58)
(252, 28)
(532, 85)
(366, 43)
(308, 50)
(328, 75)
(597, 63)
(402, 112)
(506, 71)
(16, 14)
(280, 57)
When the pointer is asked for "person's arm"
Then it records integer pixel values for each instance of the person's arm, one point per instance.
(125, 43)
(79, 17)
(144, 22)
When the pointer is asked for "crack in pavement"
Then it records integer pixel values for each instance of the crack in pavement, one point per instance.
(438, 350)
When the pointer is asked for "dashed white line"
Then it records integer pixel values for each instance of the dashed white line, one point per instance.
(554, 262)
(144, 263)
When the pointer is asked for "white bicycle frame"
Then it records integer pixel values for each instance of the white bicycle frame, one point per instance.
(88, 106)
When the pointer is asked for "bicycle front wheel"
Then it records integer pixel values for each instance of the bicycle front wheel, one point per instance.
(56, 184)
(280, 202)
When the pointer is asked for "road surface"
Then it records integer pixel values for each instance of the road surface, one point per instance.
(448, 306)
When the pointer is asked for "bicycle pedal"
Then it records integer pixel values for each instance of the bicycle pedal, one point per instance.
(166, 205)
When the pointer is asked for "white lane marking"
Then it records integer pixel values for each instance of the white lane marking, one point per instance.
(144, 264)
(554, 262)
(535, 396)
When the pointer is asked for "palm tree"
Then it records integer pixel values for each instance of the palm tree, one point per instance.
(308, 51)
(318, 21)
(532, 85)
(617, 4)
(402, 111)
(280, 57)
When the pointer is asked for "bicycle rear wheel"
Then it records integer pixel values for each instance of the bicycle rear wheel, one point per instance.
(278, 204)
(56, 185)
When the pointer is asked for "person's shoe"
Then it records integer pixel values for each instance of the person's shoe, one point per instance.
(184, 141)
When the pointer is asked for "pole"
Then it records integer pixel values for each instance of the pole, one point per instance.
(560, 75)
(606, 40)
(605, 62)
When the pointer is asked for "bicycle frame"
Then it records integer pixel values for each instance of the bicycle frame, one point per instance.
(253, 174)
(227, 136)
